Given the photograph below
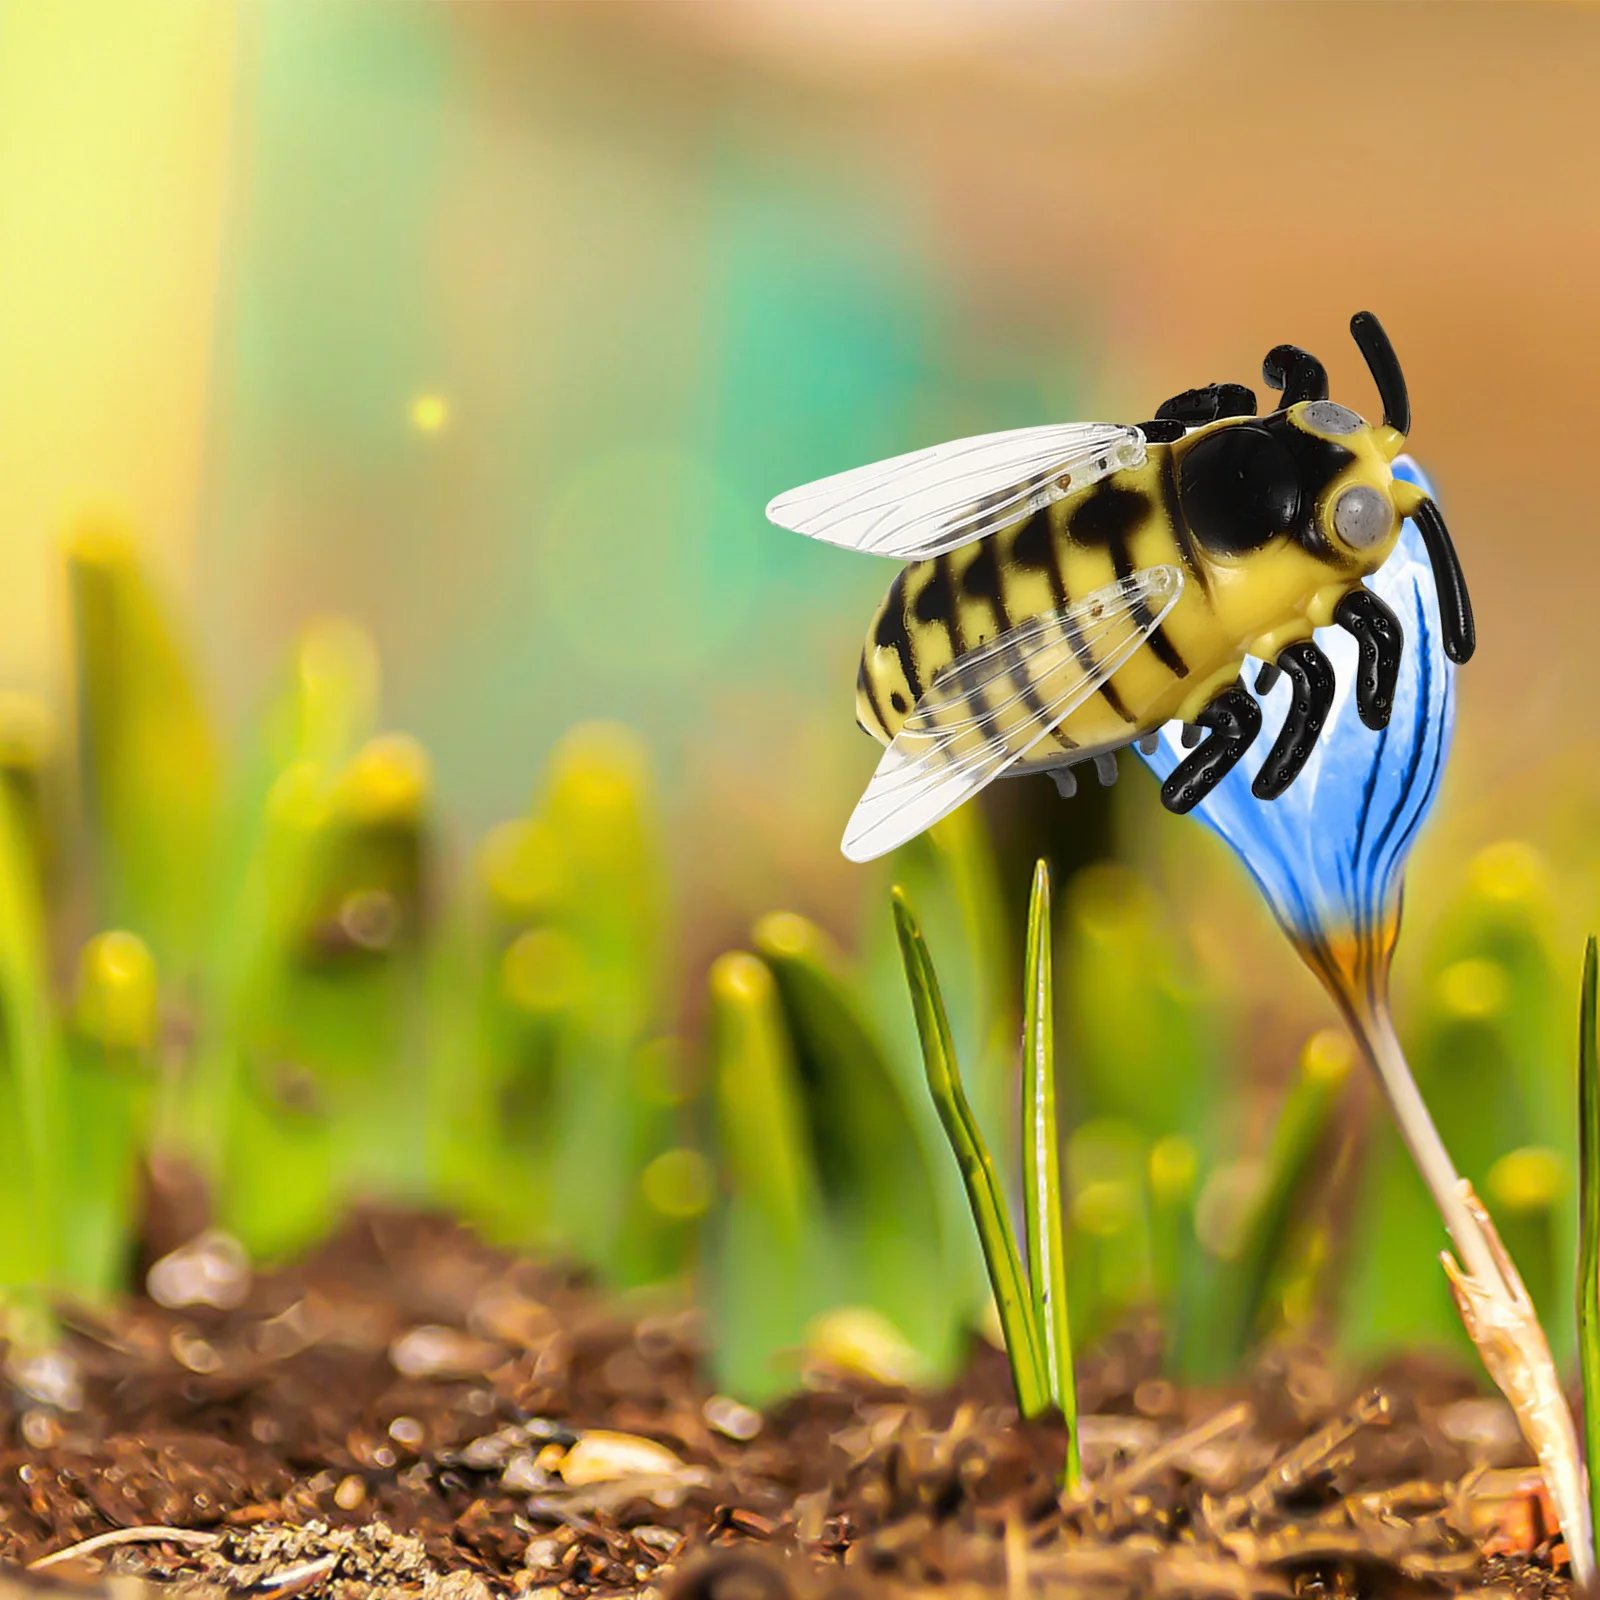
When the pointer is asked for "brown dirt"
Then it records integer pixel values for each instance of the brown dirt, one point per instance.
(412, 1413)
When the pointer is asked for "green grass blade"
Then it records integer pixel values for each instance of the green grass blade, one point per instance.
(1589, 1227)
(1041, 1168)
(1012, 1297)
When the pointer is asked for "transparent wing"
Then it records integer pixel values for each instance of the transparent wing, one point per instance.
(984, 712)
(919, 505)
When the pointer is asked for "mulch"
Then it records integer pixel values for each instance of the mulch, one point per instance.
(410, 1412)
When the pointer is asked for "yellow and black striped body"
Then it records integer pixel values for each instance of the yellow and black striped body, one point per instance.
(1233, 603)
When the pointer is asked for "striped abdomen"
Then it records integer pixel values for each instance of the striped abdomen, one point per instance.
(940, 609)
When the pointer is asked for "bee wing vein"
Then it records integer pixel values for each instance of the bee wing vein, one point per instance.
(955, 742)
(936, 499)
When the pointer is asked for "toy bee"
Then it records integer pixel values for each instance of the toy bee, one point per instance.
(1074, 587)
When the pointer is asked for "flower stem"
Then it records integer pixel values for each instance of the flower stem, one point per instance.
(1495, 1308)
(1374, 1031)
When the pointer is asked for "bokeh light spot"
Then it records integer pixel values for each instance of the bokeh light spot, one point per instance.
(430, 413)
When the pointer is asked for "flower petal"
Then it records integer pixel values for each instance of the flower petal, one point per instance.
(1328, 854)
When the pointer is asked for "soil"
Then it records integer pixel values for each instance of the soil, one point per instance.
(410, 1412)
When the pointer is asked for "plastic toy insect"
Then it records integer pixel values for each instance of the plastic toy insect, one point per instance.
(1074, 587)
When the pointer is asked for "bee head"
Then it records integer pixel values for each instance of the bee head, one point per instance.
(1350, 490)
(1360, 507)
(1319, 473)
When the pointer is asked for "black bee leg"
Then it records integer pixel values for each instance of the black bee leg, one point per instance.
(1234, 720)
(1378, 633)
(1192, 734)
(1267, 678)
(1297, 372)
(1196, 406)
(1066, 781)
(1311, 674)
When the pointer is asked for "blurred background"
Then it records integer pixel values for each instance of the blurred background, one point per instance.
(495, 327)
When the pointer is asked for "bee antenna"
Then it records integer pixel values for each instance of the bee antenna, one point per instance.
(1384, 365)
(1295, 371)
(1455, 609)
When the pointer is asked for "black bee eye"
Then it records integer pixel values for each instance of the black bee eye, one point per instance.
(1239, 488)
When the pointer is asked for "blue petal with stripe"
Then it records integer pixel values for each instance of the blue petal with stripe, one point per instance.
(1329, 854)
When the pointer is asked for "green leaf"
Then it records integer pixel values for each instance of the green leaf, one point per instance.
(149, 755)
(312, 1088)
(1013, 1299)
(33, 1119)
(876, 1175)
(110, 1077)
(768, 1266)
(610, 898)
(1041, 1168)
(1144, 1033)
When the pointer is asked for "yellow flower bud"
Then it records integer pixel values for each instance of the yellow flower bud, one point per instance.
(117, 992)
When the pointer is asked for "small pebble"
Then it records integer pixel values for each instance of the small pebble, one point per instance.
(731, 1418)
(1485, 1427)
(862, 1343)
(660, 1541)
(407, 1431)
(524, 1475)
(602, 1456)
(1155, 1397)
(193, 1352)
(501, 1313)
(212, 1269)
(39, 1430)
(490, 1451)
(350, 1493)
(51, 1377)
(542, 1555)
(431, 1351)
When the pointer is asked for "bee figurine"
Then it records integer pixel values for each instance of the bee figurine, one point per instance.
(1073, 587)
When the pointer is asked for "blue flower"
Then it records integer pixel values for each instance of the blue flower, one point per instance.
(1329, 854)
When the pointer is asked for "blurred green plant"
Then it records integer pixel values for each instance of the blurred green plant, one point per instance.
(325, 1029)
(1146, 1044)
(148, 754)
(560, 1101)
(828, 1181)
(265, 972)
(110, 1077)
